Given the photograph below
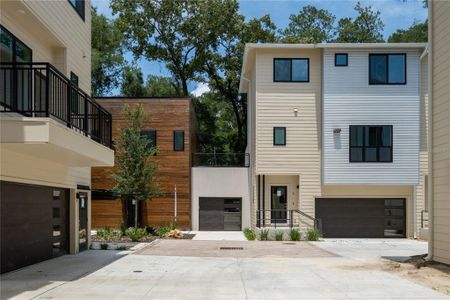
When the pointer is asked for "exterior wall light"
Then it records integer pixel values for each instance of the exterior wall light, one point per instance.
(337, 130)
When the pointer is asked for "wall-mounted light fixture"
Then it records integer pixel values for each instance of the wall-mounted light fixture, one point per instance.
(295, 111)
(337, 130)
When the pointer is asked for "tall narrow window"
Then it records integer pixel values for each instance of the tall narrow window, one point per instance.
(371, 143)
(178, 140)
(387, 68)
(279, 136)
(291, 70)
(151, 136)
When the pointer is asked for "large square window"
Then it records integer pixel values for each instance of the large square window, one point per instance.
(279, 136)
(387, 68)
(341, 59)
(151, 136)
(291, 70)
(370, 143)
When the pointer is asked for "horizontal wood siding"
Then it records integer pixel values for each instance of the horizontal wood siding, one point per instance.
(441, 129)
(348, 99)
(107, 213)
(164, 116)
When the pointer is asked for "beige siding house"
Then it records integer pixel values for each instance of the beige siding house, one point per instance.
(52, 133)
(439, 38)
(302, 105)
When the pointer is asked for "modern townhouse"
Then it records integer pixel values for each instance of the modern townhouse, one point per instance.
(337, 137)
(171, 127)
(52, 132)
(439, 39)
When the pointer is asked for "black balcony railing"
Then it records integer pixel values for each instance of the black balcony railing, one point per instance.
(220, 159)
(40, 90)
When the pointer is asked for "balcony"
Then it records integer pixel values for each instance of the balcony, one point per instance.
(39, 90)
(221, 160)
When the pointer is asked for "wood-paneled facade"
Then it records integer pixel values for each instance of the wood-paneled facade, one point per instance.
(165, 115)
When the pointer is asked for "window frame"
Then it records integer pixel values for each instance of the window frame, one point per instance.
(81, 14)
(335, 59)
(15, 39)
(290, 75)
(143, 132)
(387, 69)
(274, 139)
(363, 147)
(174, 143)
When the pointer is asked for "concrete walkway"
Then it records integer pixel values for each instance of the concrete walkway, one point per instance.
(218, 236)
(315, 274)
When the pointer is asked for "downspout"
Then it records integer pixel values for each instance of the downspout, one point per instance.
(430, 132)
(415, 212)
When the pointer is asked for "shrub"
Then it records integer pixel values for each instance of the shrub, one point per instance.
(122, 248)
(104, 246)
(135, 234)
(264, 235)
(313, 235)
(162, 231)
(107, 233)
(150, 230)
(249, 234)
(279, 235)
(295, 234)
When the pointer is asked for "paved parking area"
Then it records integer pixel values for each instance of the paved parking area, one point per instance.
(316, 274)
(218, 236)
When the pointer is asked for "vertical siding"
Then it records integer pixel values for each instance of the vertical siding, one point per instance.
(348, 99)
(440, 23)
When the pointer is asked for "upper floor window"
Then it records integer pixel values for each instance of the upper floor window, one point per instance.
(291, 70)
(12, 49)
(151, 136)
(79, 6)
(341, 59)
(387, 68)
(279, 136)
(178, 140)
(370, 143)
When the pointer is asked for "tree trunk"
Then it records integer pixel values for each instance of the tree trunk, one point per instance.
(135, 213)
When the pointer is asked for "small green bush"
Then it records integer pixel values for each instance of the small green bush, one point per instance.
(104, 246)
(313, 235)
(107, 233)
(161, 231)
(121, 248)
(264, 235)
(295, 234)
(249, 234)
(279, 235)
(135, 234)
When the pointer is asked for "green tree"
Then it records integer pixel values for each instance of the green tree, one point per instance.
(107, 54)
(160, 86)
(417, 32)
(135, 170)
(309, 26)
(133, 82)
(367, 27)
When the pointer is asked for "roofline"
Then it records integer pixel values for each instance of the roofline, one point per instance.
(141, 98)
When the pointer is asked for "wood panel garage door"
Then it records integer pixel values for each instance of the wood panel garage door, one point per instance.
(34, 224)
(361, 218)
(217, 214)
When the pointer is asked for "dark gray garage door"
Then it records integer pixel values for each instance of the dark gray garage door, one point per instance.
(34, 224)
(220, 214)
(362, 218)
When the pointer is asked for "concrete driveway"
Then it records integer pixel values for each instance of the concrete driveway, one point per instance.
(199, 270)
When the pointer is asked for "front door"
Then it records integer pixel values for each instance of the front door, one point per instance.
(279, 204)
(82, 225)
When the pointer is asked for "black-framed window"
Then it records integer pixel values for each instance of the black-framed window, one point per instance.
(151, 136)
(341, 59)
(387, 68)
(279, 136)
(79, 6)
(291, 69)
(371, 143)
(178, 140)
(12, 49)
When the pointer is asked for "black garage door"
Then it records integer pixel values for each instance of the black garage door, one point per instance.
(34, 224)
(220, 214)
(362, 218)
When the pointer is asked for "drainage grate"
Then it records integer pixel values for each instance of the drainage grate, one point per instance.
(137, 271)
(288, 243)
(231, 248)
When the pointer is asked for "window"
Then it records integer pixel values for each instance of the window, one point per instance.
(279, 136)
(387, 68)
(178, 140)
(78, 5)
(341, 59)
(291, 70)
(371, 143)
(12, 49)
(151, 136)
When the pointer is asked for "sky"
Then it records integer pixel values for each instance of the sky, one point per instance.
(395, 14)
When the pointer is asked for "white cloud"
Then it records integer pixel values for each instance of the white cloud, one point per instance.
(200, 89)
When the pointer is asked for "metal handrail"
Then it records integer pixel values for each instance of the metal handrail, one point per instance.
(317, 222)
(38, 89)
(289, 220)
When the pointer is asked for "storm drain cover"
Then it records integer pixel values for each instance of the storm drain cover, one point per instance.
(288, 243)
(231, 248)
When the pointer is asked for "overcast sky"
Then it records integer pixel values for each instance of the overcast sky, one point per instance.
(394, 13)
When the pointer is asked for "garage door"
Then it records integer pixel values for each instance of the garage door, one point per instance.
(217, 214)
(34, 224)
(362, 218)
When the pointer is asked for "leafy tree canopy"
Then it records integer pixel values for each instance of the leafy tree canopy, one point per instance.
(417, 32)
(160, 86)
(133, 82)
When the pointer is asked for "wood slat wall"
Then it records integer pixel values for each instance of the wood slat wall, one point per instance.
(164, 115)
(106, 213)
